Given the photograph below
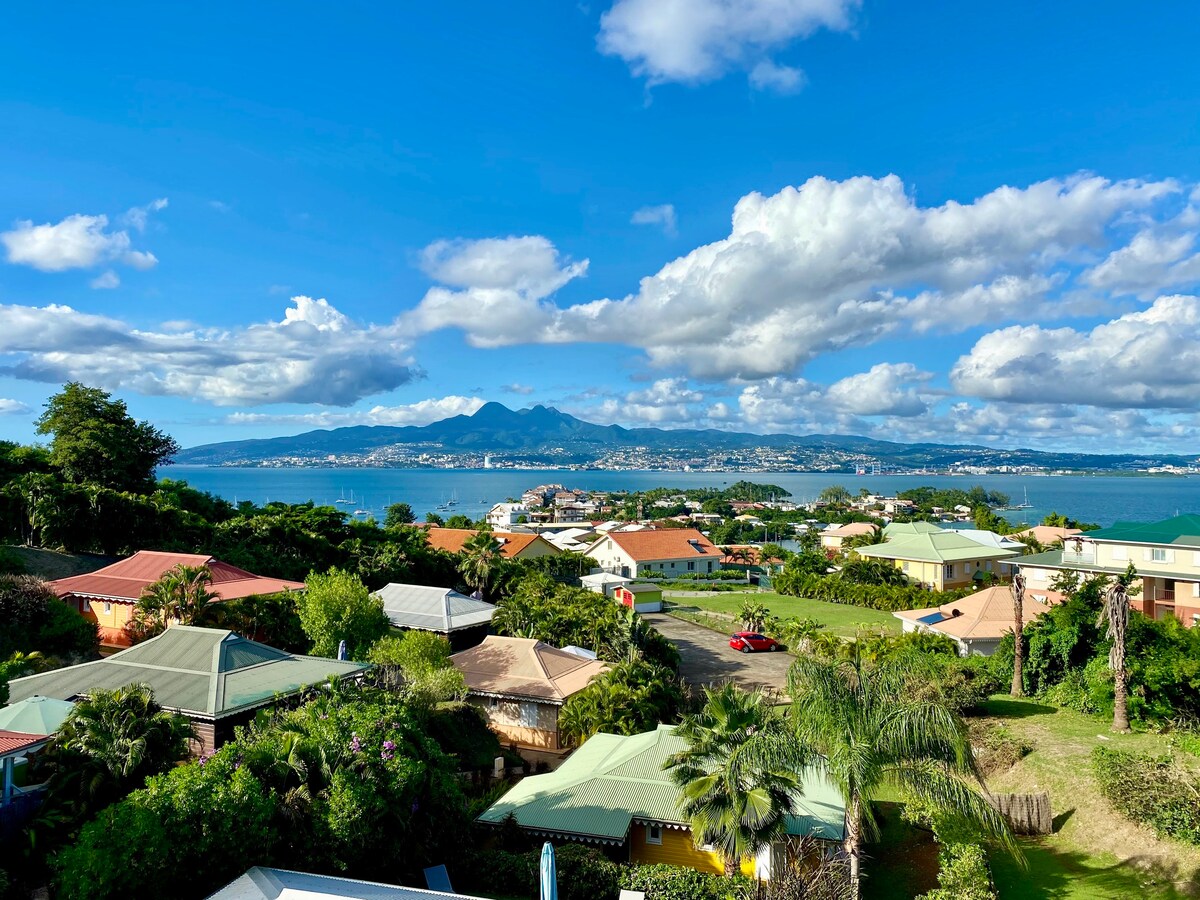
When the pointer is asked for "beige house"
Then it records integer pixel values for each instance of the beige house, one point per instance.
(976, 623)
(660, 553)
(1166, 556)
(521, 684)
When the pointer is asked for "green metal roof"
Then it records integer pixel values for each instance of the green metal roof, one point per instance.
(612, 780)
(1184, 530)
(205, 672)
(938, 546)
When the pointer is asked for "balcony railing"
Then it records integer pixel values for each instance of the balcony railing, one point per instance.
(1084, 557)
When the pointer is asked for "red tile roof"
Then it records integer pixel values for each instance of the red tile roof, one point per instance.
(452, 540)
(127, 579)
(666, 543)
(14, 741)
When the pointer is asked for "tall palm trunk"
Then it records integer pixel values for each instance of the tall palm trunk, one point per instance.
(1018, 595)
(1115, 615)
(853, 845)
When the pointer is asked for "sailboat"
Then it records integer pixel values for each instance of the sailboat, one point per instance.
(362, 512)
(342, 499)
(1026, 504)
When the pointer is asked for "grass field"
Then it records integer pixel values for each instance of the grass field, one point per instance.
(1094, 852)
(838, 618)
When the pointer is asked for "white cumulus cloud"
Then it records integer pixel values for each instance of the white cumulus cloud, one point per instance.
(314, 355)
(420, 413)
(106, 281)
(822, 267)
(79, 242)
(13, 407)
(1149, 359)
(694, 41)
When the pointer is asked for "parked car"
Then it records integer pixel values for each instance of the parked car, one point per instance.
(749, 641)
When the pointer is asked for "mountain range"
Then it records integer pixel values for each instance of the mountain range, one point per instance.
(545, 434)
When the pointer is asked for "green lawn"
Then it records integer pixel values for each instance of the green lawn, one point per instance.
(839, 618)
(1094, 852)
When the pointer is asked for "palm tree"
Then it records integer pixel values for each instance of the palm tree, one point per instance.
(1018, 598)
(867, 539)
(1114, 616)
(180, 595)
(111, 742)
(740, 774)
(480, 559)
(877, 732)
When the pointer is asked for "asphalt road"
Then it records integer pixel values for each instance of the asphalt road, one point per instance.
(706, 657)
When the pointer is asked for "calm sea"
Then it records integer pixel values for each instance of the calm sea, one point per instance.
(1101, 498)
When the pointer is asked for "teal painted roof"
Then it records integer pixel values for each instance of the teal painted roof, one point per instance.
(201, 671)
(612, 780)
(938, 546)
(1183, 530)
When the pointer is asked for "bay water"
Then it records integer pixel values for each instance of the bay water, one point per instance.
(1090, 498)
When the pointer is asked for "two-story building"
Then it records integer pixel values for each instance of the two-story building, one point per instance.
(939, 558)
(655, 554)
(504, 516)
(1166, 555)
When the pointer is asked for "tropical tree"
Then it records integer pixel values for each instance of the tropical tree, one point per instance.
(481, 559)
(876, 732)
(866, 539)
(1114, 618)
(96, 441)
(753, 615)
(109, 744)
(399, 514)
(336, 607)
(1018, 598)
(632, 697)
(739, 775)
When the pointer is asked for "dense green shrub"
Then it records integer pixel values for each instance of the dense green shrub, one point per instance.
(346, 784)
(963, 874)
(1153, 791)
(36, 620)
(888, 598)
(461, 730)
(666, 882)
(584, 873)
(630, 698)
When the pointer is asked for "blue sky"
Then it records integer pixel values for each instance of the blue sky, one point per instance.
(950, 222)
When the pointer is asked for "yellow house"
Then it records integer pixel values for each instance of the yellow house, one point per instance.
(614, 791)
(939, 558)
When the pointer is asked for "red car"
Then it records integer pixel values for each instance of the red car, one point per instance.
(749, 641)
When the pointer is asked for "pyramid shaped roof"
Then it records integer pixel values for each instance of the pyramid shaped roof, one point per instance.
(433, 608)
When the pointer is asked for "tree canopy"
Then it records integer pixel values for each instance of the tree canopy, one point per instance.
(96, 441)
(336, 607)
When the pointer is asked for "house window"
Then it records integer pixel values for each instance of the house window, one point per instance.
(691, 566)
(107, 607)
(710, 565)
(948, 571)
(493, 703)
(903, 567)
(529, 715)
(653, 834)
(672, 565)
(1195, 589)
(1158, 554)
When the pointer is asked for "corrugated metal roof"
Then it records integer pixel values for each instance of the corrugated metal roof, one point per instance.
(128, 578)
(1180, 530)
(612, 780)
(14, 742)
(933, 546)
(433, 608)
(203, 671)
(262, 883)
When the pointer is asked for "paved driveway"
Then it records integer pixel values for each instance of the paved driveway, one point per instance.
(707, 658)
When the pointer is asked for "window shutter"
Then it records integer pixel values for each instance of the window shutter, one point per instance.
(1146, 554)
(1170, 556)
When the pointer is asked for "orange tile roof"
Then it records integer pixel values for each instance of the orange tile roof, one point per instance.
(666, 543)
(986, 614)
(127, 579)
(452, 540)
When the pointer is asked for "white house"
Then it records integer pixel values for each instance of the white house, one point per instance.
(506, 515)
(661, 553)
